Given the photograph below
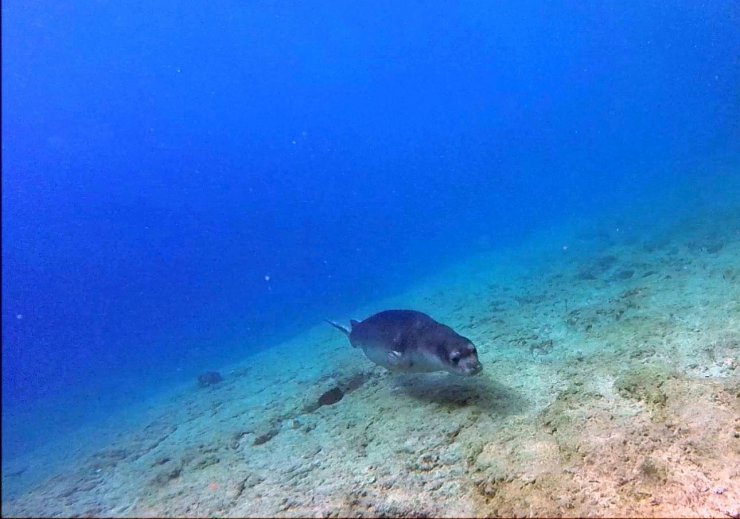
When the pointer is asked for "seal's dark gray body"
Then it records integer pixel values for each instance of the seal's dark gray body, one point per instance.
(411, 341)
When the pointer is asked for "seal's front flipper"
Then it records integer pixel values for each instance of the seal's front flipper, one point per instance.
(395, 358)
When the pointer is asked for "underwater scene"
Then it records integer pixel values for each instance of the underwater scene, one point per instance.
(356, 259)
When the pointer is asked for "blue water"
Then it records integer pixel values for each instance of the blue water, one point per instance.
(185, 184)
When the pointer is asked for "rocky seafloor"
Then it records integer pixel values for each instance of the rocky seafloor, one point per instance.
(611, 387)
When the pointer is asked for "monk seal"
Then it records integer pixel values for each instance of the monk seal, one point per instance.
(413, 342)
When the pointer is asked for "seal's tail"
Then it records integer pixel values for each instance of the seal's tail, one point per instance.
(339, 327)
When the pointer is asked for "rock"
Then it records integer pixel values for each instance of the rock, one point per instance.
(331, 397)
(165, 475)
(266, 433)
(624, 274)
(713, 248)
(108, 458)
(356, 381)
(209, 378)
(586, 275)
(205, 461)
(426, 462)
(451, 456)
(597, 267)
(161, 460)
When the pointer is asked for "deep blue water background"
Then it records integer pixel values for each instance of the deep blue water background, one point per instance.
(162, 160)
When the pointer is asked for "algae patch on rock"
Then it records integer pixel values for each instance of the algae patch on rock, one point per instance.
(646, 384)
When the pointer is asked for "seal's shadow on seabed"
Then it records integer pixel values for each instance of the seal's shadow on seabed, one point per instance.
(457, 392)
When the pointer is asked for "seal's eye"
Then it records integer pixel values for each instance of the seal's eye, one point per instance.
(455, 357)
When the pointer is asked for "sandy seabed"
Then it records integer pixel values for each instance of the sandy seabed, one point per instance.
(611, 387)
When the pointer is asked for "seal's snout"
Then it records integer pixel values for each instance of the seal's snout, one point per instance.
(468, 365)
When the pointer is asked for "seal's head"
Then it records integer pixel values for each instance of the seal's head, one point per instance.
(459, 356)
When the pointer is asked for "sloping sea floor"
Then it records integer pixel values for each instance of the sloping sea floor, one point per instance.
(611, 387)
